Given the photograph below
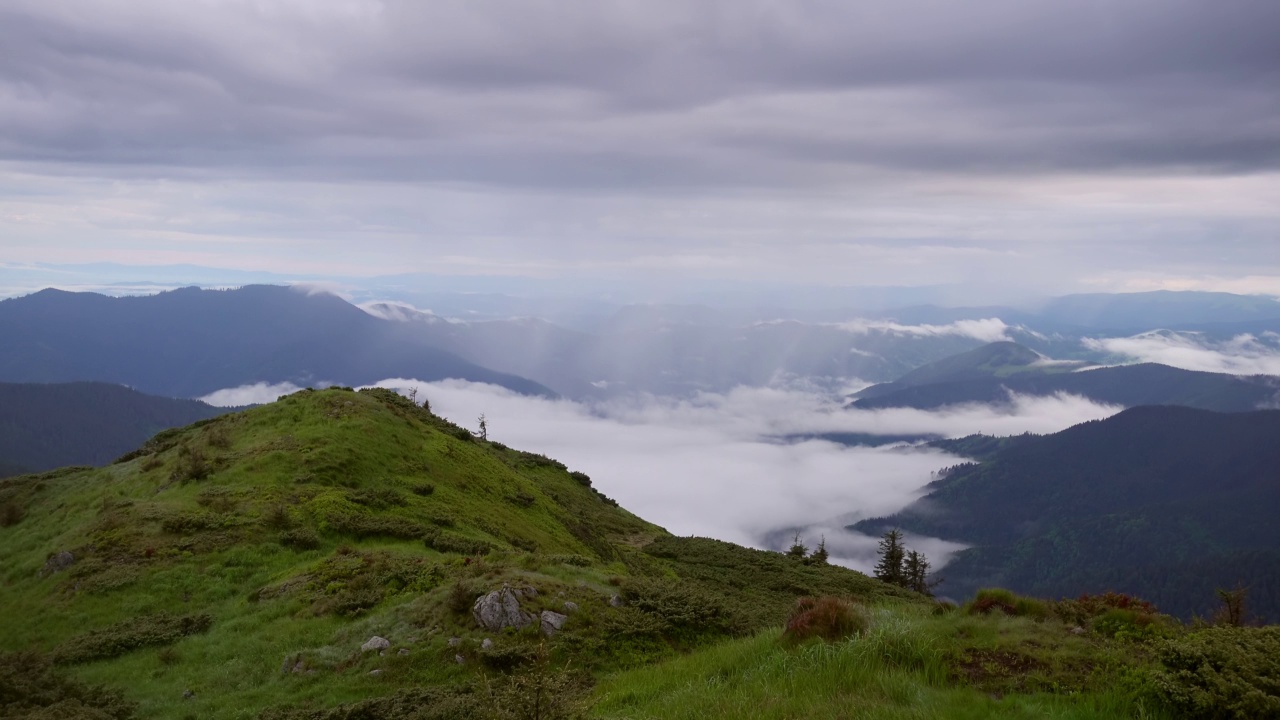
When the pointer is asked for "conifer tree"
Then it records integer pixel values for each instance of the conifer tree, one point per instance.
(890, 569)
(820, 555)
(798, 549)
(916, 571)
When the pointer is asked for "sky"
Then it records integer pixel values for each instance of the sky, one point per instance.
(1034, 146)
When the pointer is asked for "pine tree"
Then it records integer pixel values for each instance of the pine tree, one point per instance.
(890, 569)
(820, 555)
(798, 549)
(916, 571)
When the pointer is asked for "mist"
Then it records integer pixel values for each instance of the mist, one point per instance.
(1244, 354)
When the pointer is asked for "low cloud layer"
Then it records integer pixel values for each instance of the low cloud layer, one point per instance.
(1244, 354)
(256, 394)
(986, 330)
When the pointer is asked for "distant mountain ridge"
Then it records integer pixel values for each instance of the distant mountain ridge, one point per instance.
(191, 342)
(990, 373)
(45, 426)
(1164, 502)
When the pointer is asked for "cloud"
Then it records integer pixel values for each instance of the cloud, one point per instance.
(986, 330)
(714, 465)
(1243, 354)
(255, 394)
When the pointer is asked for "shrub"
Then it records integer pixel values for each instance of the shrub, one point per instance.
(684, 607)
(582, 478)
(372, 526)
(1118, 623)
(131, 634)
(423, 489)
(377, 499)
(11, 513)
(462, 597)
(1221, 672)
(30, 686)
(185, 523)
(829, 618)
(575, 560)
(1009, 603)
(277, 517)
(449, 542)
(218, 436)
(191, 465)
(302, 538)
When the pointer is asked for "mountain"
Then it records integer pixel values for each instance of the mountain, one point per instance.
(295, 531)
(191, 342)
(1127, 385)
(994, 360)
(1157, 309)
(1168, 503)
(45, 426)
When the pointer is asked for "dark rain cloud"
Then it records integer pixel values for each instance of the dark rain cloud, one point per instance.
(642, 94)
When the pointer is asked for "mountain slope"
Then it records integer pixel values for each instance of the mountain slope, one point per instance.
(295, 531)
(191, 342)
(44, 426)
(1128, 385)
(1164, 502)
(993, 360)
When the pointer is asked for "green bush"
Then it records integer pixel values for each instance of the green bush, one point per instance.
(685, 609)
(363, 526)
(302, 538)
(30, 687)
(450, 542)
(131, 634)
(988, 600)
(1221, 672)
(192, 465)
(377, 499)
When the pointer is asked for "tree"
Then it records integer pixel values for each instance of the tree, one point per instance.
(820, 555)
(798, 549)
(483, 434)
(916, 572)
(890, 567)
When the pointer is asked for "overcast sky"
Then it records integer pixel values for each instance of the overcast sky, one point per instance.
(1047, 146)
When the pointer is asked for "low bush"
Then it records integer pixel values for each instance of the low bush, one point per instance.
(363, 526)
(11, 513)
(31, 687)
(450, 542)
(575, 560)
(829, 618)
(686, 609)
(1085, 608)
(303, 538)
(191, 465)
(185, 523)
(127, 635)
(988, 600)
(377, 499)
(1219, 673)
(423, 489)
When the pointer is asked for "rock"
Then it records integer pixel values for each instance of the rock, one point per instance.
(459, 659)
(570, 606)
(188, 694)
(403, 651)
(615, 601)
(376, 672)
(487, 644)
(552, 622)
(57, 562)
(500, 609)
(455, 641)
(531, 592)
(293, 663)
(375, 643)
(1077, 630)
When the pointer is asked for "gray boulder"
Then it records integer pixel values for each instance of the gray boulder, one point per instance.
(570, 606)
(375, 643)
(552, 622)
(500, 609)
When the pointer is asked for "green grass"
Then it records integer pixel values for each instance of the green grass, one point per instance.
(908, 665)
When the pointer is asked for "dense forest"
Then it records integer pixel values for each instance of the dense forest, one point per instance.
(1164, 502)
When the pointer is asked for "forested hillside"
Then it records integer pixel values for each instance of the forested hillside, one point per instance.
(1168, 503)
(45, 426)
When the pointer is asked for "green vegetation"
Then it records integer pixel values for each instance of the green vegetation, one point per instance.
(325, 560)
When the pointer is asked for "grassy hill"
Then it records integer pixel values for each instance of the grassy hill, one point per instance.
(234, 569)
(1165, 502)
(45, 426)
